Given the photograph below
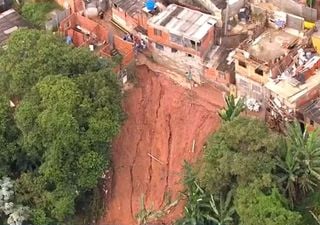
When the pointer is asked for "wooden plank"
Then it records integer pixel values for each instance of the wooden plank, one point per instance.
(155, 159)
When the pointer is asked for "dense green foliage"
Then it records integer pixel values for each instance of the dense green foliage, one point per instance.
(232, 109)
(274, 178)
(55, 142)
(37, 12)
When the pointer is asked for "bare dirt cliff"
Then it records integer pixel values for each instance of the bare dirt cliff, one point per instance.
(163, 120)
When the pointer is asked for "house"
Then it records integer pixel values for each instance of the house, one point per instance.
(294, 94)
(182, 39)
(84, 32)
(10, 21)
(132, 15)
(262, 58)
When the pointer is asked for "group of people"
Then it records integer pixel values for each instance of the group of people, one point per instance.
(139, 44)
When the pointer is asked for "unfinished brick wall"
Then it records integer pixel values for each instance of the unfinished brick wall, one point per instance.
(73, 20)
(213, 75)
(313, 94)
(97, 33)
(125, 48)
(207, 42)
(164, 39)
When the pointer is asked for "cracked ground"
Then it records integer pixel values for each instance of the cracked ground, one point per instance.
(163, 119)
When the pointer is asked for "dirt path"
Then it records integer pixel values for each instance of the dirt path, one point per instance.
(163, 119)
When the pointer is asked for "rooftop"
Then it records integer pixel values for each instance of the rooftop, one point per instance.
(10, 21)
(290, 92)
(220, 4)
(271, 44)
(130, 6)
(185, 22)
(312, 110)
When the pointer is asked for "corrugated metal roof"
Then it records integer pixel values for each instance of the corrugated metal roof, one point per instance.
(130, 6)
(186, 22)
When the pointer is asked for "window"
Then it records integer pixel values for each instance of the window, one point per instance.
(157, 32)
(259, 71)
(173, 50)
(311, 122)
(176, 39)
(193, 44)
(242, 64)
(115, 5)
(160, 47)
(256, 88)
(222, 75)
(189, 55)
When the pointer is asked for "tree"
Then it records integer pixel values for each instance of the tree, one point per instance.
(298, 166)
(289, 170)
(57, 139)
(222, 210)
(240, 152)
(194, 211)
(205, 208)
(255, 207)
(37, 13)
(233, 108)
(32, 54)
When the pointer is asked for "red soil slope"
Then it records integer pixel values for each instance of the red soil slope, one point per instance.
(163, 119)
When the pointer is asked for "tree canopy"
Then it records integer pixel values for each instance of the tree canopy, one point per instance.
(274, 177)
(56, 140)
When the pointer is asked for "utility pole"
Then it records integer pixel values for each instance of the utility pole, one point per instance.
(226, 18)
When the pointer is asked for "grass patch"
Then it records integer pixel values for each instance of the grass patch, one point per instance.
(37, 13)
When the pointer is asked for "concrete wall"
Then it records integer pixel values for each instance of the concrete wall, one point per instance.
(249, 71)
(56, 18)
(178, 61)
(249, 89)
(208, 4)
(235, 7)
(290, 6)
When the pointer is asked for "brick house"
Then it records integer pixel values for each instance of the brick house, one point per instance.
(183, 39)
(274, 70)
(257, 60)
(88, 33)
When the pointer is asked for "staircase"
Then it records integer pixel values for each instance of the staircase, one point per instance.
(114, 52)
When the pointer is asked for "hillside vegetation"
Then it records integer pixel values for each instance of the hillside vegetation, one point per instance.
(56, 140)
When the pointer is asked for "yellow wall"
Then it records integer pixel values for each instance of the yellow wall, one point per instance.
(316, 43)
(309, 25)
